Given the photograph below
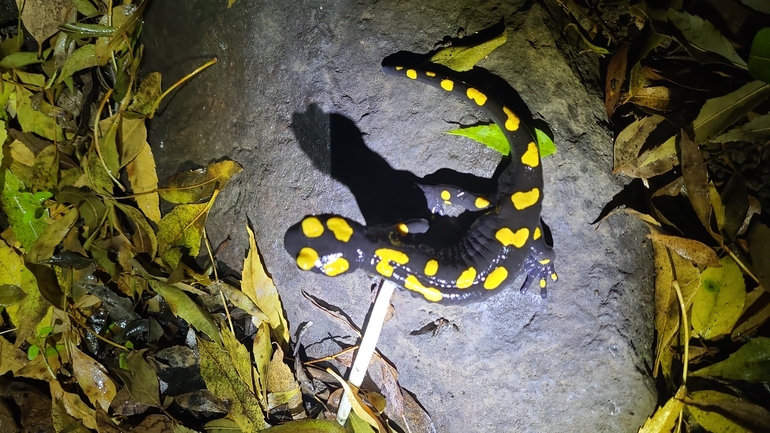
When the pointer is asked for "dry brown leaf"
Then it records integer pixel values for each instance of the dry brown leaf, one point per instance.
(42, 18)
(695, 176)
(690, 249)
(616, 76)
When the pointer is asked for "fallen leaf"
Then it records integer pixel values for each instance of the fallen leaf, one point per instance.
(258, 286)
(719, 302)
(92, 379)
(224, 382)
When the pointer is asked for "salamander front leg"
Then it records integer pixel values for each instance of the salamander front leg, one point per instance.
(439, 196)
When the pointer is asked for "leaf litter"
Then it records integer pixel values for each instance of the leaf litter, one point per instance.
(104, 302)
(687, 92)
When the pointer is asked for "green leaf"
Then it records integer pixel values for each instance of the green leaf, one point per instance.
(492, 137)
(759, 57)
(701, 36)
(757, 129)
(758, 5)
(718, 303)
(51, 237)
(11, 294)
(750, 363)
(140, 379)
(20, 60)
(488, 135)
(33, 351)
(544, 142)
(86, 8)
(311, 426)
(759, 248)
(83, 58)
(464, 58)
(26, 216)
(185, 308)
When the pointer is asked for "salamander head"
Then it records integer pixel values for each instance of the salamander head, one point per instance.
(324, 244)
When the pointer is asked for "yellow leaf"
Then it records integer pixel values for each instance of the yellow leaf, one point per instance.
(664, 418)
(183, 226)
(98, 178)
(143, 178)
(240, 358)
(356, 404)
(223, 381)
(260, 288)
(196, 185)
(11, 358)
(92, 379)
(73, 405)
(462, 59)
(719, 302)
(146, 98)
(712, 421)
(32, 120)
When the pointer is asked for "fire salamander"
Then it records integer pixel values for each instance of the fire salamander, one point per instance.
(503, 242)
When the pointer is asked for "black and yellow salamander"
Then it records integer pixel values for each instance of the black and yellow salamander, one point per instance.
(504, 241)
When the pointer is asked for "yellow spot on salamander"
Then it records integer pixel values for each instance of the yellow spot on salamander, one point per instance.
(383, 268)
(430, 74)
(554, 276)
(403, 229)
(466, 279)
(512, 122)
(544, 261)
(307, 258)
(336, 267)
(341, 229)
(445, 195)
(392, 255)
(507, 237)
(523, 200)
(387, 255)
(531, 157)
(411, 73)
(398, 68)
(537, 233)
(312, 227)
(481, 203)
(542, 283)
(431, 268)
(430, 293)
(479, 98)
(447, 85)
(495, 278)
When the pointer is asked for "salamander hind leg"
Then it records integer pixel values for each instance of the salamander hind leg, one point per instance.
(539, 264)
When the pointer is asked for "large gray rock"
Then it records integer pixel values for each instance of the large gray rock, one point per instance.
(576, 361)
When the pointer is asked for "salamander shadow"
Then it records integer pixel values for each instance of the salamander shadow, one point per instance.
(384, 195)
